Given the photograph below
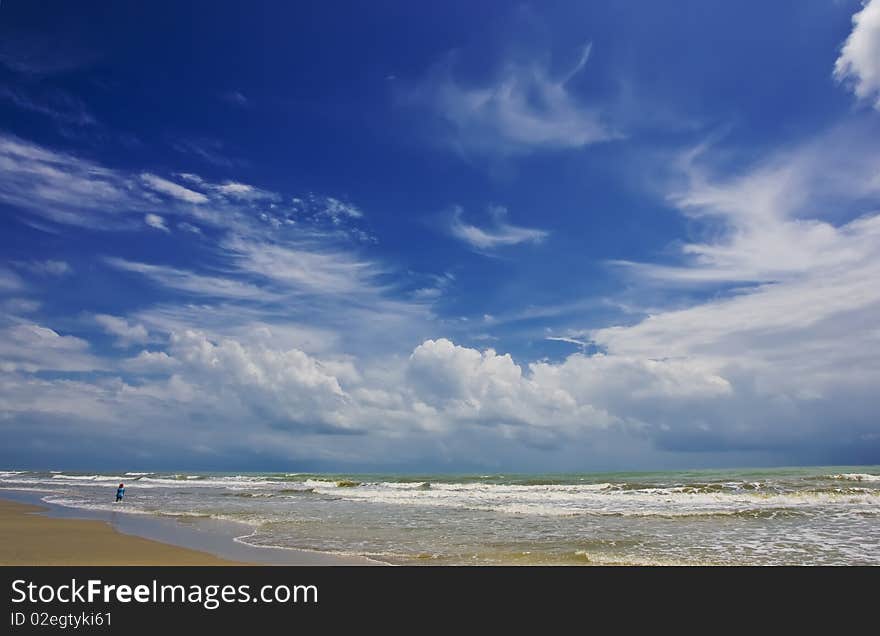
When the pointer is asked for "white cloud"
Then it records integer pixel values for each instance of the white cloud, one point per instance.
(9, 281)
(155, 221)
(303, 267)
(209, 150)
(53, 268)
(236, 189)
(524, 108)
(172, 189)
(32, 347)
(70, 190)
(249, 324)
(236, 98)
(20, 305)
(45, 268)
(500, 234)
(773, 221)
(56, 104)
(62, 187)
(859, 61)
(151, 362)
(798, 237)
(125, 332)
(338, 210)
(574, 396)
(189, 227)
(183, 280)
(289, 384)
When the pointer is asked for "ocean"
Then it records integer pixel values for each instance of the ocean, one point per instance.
(787, 516)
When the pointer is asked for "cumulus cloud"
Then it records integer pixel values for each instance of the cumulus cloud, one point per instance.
(522, 109)
(151, 362)
(859, 61)
(295, 388)
(577, 396)
(499, 234)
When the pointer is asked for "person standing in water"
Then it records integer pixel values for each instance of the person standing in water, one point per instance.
(120, 492)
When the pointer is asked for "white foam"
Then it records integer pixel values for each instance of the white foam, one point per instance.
(196, 481)
(855, 477)
(599, 499)
(105, 478)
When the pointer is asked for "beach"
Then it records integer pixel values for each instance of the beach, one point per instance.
(35, 533)
(821, 515)
(30, 538)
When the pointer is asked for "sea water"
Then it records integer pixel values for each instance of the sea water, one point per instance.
(811, 516)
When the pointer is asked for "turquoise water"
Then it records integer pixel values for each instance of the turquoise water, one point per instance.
(815, 515)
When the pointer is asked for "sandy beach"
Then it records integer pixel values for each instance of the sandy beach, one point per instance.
(30, 538)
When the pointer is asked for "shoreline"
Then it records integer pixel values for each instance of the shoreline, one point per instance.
(34, 532)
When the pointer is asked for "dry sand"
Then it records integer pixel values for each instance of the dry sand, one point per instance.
(29, 538)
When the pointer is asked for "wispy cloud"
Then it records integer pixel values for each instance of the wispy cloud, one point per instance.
(773, 221)
(56, 104)
(156, 222)
(46, 268)
(303, 267)
(184, 280)
(17, 306)
(235, 98)
(9, 281)
(38, 54)
(229, 190)
(523, 109)
(859, 61)
(173, 189)
(212, 151)
(126, 333)
(338, 211)
(499, 233)
(32, 347)
(61, 187)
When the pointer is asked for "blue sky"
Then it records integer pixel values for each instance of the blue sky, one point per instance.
(491, 236)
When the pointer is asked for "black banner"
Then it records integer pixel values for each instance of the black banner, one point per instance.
(145, 599)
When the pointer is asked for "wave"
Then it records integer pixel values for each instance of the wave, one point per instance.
(854, 477)
(297, 491)
(105, 478)
(134, 510)
(199, 481)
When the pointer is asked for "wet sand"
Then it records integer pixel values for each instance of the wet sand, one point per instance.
(30, 538)
(33, 532)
